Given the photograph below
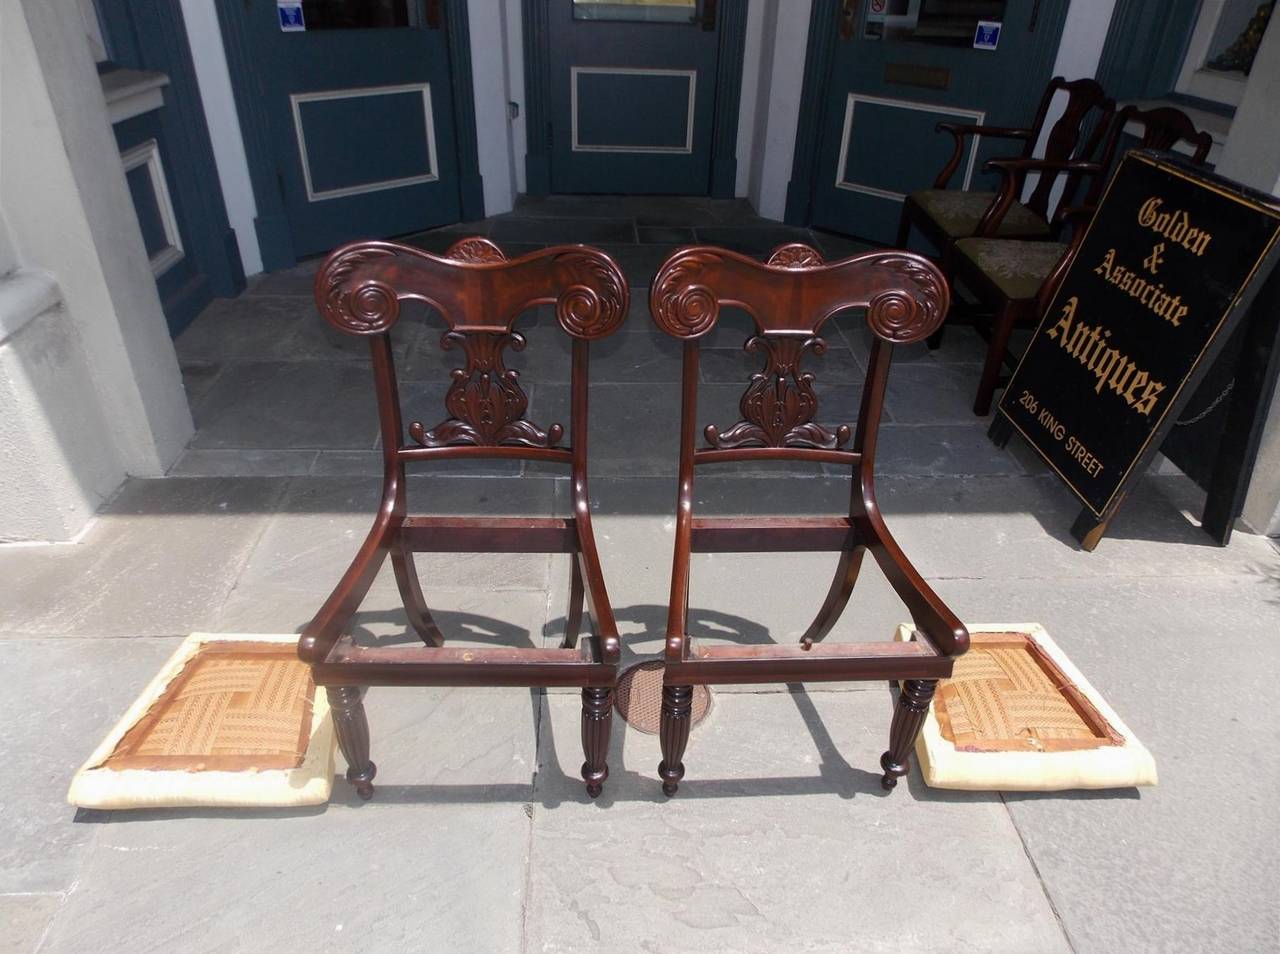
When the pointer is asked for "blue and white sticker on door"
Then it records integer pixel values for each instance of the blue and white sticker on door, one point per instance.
(290, 13)
(987, 35)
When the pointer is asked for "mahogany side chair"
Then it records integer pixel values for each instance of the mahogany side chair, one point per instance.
(480, 294)
(1015, 279)
(903, 298)
(944, 215)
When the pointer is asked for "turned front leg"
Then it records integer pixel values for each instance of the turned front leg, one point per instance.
(351, 725)
(908, 717)
(677, 718)
(597, 719)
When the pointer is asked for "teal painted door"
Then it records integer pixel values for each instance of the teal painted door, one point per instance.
(901, 67)
(361, 117)
(633, 89)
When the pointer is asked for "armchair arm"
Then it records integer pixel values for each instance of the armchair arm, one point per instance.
(1079, 216)
(959, 131)
(1014, 174)
(933, 619)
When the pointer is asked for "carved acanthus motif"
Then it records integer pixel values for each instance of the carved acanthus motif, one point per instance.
(595, 297)
(475, 250)
(485, 400)
(795, 255)
(365, 309)
(779, 403)
(680, 305)
(901, 317)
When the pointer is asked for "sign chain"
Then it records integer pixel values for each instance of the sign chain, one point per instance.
(1211, 408)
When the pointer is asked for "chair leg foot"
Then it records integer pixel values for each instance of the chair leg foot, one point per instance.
(597, 719)
(908, 717)
(677, 718)
(351, 726)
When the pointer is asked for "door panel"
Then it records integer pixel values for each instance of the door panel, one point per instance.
(361, 117)
(632, 96)
(896, 74)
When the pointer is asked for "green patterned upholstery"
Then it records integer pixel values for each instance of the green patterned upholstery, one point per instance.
(958, 213)
(1017, 268)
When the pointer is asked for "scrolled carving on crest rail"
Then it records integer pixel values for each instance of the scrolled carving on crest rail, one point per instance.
(680, 305)
(485, 399)
(368, 307)
(595, 296)
(795, 255)
(897, 315)
(779, 403)
(475, 250)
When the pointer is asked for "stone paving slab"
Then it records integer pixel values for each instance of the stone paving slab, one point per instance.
(159, 560)
(62, 697)
(436, 862)
(779, 840)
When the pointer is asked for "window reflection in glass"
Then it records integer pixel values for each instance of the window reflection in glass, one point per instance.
(1237, 36)
(941, 22)
(361, 14)
(660, 11)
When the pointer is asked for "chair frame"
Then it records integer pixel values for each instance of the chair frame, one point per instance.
(1084, 95)
(1162, 128)
(790, 298)
(480, 294)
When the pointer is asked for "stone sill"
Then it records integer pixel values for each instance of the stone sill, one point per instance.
(131, 93)
(24, 295)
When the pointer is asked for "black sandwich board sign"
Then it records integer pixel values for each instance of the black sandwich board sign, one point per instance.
(1170, 268)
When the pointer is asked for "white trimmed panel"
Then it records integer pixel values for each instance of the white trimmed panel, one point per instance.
(972, 116)
(295, 101)
(576, 71)
(148, 154)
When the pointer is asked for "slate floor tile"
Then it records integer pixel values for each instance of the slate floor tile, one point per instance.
(780, 805)
(79, 688)
(586, 231)
(250, 327)
(159, 560)
(289, 404)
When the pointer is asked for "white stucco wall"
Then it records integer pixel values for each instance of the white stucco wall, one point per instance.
(214, 79)
(490, 71)
(786, 32)
(91, 389)
(1251, 155)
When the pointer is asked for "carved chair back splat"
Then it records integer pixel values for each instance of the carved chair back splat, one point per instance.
(480, 294)
(790, 298)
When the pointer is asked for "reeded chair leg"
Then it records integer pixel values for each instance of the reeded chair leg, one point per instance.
(908, 717)
(597, 719)
(677, 718)
(351, 725)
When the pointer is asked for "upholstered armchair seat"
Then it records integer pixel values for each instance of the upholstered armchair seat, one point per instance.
(958, 213)
(1018, 267)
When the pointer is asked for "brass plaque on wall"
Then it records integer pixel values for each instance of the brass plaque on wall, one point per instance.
(912, 74)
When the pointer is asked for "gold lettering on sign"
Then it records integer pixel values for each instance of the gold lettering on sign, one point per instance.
(1112, 368)
(1151, 295)
(1175, 226)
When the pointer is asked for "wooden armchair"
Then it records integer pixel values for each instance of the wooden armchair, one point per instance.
(480, 294)
(944, 215)
(1016, 278)
(791, 298)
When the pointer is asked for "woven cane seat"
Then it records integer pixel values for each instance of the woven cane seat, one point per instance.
(1017, 715)
(234, 706)
(229, 721)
